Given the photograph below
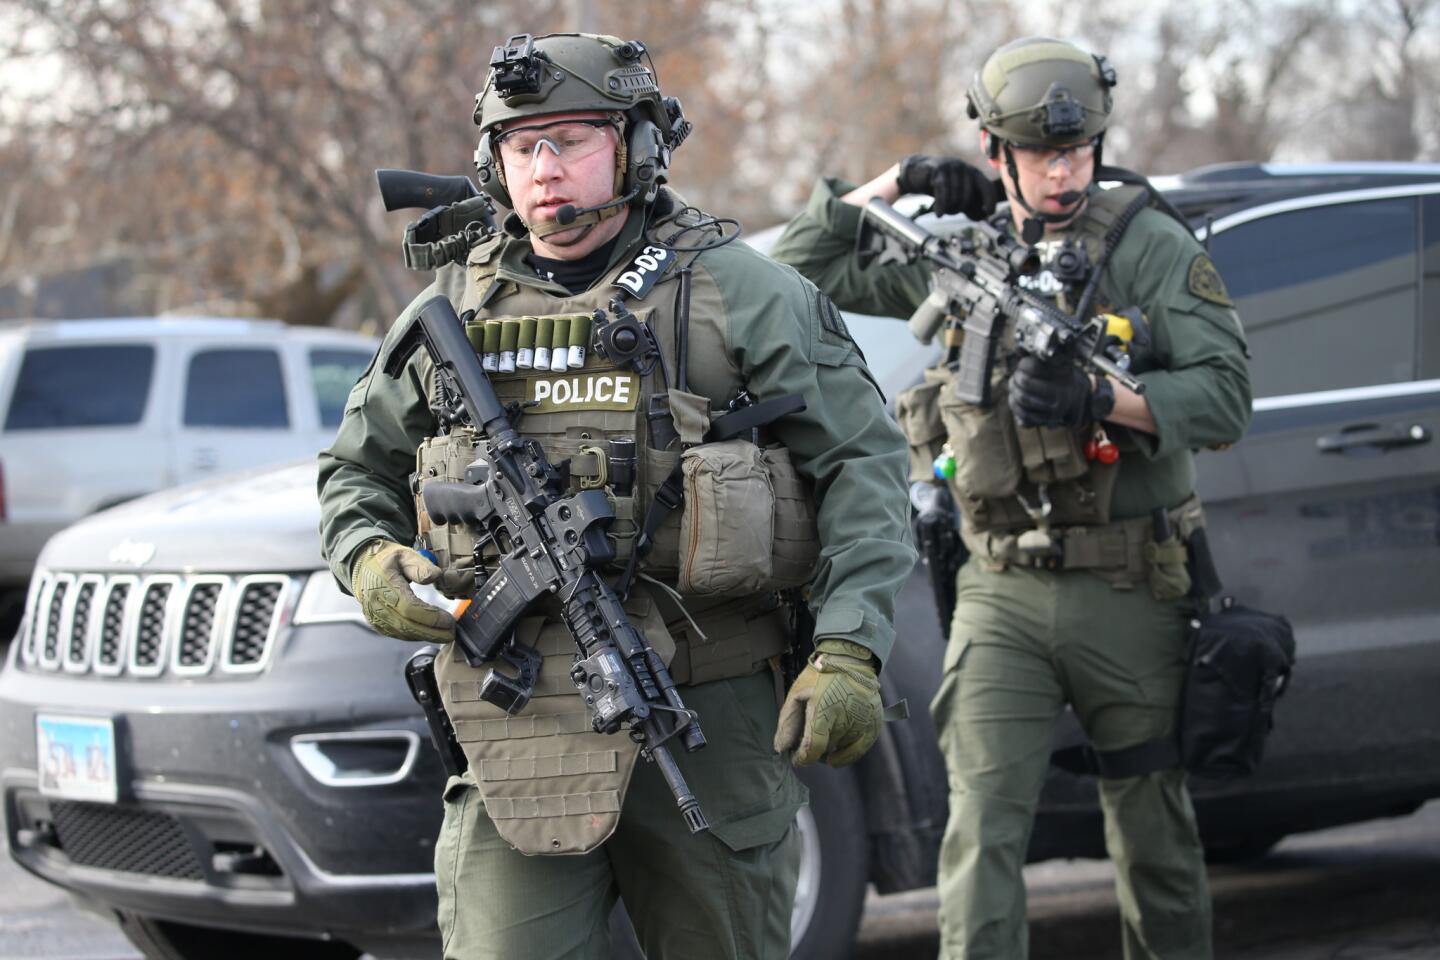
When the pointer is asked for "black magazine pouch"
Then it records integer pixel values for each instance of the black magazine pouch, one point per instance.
(1240, 664)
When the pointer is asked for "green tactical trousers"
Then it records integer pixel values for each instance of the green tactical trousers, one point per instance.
(1023, 643)
(726, 893)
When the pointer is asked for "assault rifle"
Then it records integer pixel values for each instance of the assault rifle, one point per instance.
(974, 275)
(549, 544)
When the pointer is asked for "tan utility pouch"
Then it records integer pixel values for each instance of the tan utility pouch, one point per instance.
(1168, 560)
(453, 544)
(1051, 454)
(795, 549)
(987, 452)
(917, 411)
(1169, 577)
(731, 518)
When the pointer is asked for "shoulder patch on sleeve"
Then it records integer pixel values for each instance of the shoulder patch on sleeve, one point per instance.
(1205, 282)
(832, 321)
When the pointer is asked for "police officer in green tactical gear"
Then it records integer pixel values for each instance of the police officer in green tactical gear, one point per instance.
(628, 325)
(1075, 496)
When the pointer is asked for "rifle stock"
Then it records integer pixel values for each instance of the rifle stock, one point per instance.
(413, 190)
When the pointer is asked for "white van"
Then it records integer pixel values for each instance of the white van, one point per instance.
(96, 412)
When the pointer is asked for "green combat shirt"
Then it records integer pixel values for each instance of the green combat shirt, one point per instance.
(1196, 382)
(753, 323)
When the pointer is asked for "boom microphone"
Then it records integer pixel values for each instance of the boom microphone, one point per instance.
(567, 214)
(1066, 199)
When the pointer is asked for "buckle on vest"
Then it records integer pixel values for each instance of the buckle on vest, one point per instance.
(602, 468)
(1040, 549)
(671, 493)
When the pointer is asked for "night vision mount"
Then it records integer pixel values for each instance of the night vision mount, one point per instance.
(516, 67)
(1063, 116)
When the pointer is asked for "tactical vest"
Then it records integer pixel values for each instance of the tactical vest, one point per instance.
(1011, 480)
(550, 784)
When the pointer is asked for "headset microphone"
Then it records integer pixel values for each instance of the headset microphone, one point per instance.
(1066, 199)
(567, 214)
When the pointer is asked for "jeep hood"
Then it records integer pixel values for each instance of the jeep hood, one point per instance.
(263, 520)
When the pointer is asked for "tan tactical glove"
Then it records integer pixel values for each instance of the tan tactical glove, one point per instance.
(380, 578)
(833, 712)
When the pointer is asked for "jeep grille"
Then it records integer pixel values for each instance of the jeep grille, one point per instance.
(53, 610)
(148, 627)
(150, 634)
(197, 632)
(252, 624)
(108, 656)
(84, 598)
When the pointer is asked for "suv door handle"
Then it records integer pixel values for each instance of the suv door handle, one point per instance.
(1373, 436)
(204, 458)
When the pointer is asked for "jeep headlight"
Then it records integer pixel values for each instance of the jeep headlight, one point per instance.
(322, 601)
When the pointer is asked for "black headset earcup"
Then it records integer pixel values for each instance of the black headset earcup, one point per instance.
(491, 183)
(648, 161)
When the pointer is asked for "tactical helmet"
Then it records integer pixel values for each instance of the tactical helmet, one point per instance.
(565, 72)
(1038, 91)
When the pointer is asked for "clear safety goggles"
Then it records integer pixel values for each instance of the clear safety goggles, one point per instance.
(1046, 158)
(567, 139)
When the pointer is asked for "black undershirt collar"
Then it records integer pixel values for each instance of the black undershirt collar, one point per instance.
(575, 276)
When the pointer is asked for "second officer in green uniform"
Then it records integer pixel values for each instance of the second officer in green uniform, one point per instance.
(552, 822)
(1075, 590)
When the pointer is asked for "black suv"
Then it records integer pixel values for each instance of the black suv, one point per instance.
(199, 735)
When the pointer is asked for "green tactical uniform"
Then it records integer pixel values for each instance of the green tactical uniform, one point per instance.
(1105, 631)
(726, 893)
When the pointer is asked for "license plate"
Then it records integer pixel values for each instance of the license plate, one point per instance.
(76, 757)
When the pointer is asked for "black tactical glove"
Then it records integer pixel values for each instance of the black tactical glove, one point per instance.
(1055, 394)
(956, 186)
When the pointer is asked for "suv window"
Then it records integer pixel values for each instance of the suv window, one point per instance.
(334, 372)
(1430, 293)
(235, 388)
(99, 386)
(1342, 274)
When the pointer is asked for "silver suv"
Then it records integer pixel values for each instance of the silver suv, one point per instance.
(96, 412)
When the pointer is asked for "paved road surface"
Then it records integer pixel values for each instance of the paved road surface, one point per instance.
(1366, 892)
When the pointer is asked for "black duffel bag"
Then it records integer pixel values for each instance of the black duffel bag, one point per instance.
(1240, 663)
